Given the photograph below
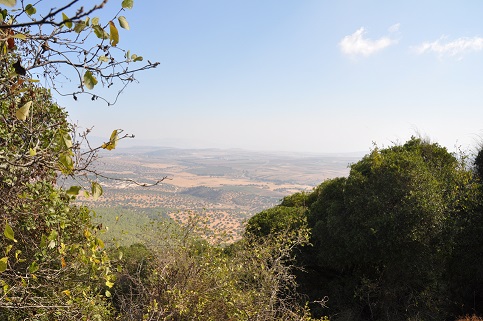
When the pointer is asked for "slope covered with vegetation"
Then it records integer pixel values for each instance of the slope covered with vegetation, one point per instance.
(398, 239)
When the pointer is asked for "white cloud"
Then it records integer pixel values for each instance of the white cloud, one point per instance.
(356, 44)
(457, 47)
(394, 27)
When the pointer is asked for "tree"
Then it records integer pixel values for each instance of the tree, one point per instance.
(53, 264)
(41, 41)
(478, 164)
(386, 230)
(387, 238)
(276, 220)
(464, 270)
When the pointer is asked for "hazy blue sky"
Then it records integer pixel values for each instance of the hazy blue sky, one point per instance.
(300, 75)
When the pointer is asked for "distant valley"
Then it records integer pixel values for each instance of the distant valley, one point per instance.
(225, 186)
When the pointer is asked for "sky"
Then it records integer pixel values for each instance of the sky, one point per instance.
(305, 76)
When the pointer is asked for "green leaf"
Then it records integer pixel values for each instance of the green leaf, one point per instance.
(89, 80)
(100, 33)
(73, 190)
(100, 243)
(95, 21)
(30, 10)
(20, 36)
(66, 164)
(135, 58)
(114, 34)
(127, 4)
(108, 294)
(34, 267)
(80, 26)
(67, 140)
(53, 235)
(123, 22)
(11, 3)
(103, 59)
(112, 141)
(68, 24)
(96, 190)
(23, 112)
(8, 232)
(3, 264)
(109, 284)
(43, 241)
(32, 152)
(17, 254)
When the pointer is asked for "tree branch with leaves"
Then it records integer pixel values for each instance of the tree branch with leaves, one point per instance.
(37, 43)
(53, 44)
(53, 265)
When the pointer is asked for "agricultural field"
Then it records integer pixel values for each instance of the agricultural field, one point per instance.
(225, 186)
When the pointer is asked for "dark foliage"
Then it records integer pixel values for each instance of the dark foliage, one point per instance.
(398, 239)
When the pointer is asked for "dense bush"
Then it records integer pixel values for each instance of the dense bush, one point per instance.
(184, 277)
(391, 240)
(54, 266)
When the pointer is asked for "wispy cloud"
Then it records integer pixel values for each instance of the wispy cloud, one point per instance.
(357, 44)
(455, 48)
(394, 27)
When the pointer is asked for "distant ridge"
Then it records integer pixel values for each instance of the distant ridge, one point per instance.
(165, 150)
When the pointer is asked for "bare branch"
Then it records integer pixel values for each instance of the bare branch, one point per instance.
(47, 20)
(128, 180)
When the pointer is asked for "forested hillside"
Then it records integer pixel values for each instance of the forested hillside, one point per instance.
(398, 239)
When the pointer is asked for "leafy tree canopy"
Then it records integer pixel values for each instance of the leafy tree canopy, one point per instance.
(389, 225)
(382, 237)
(53, 264)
